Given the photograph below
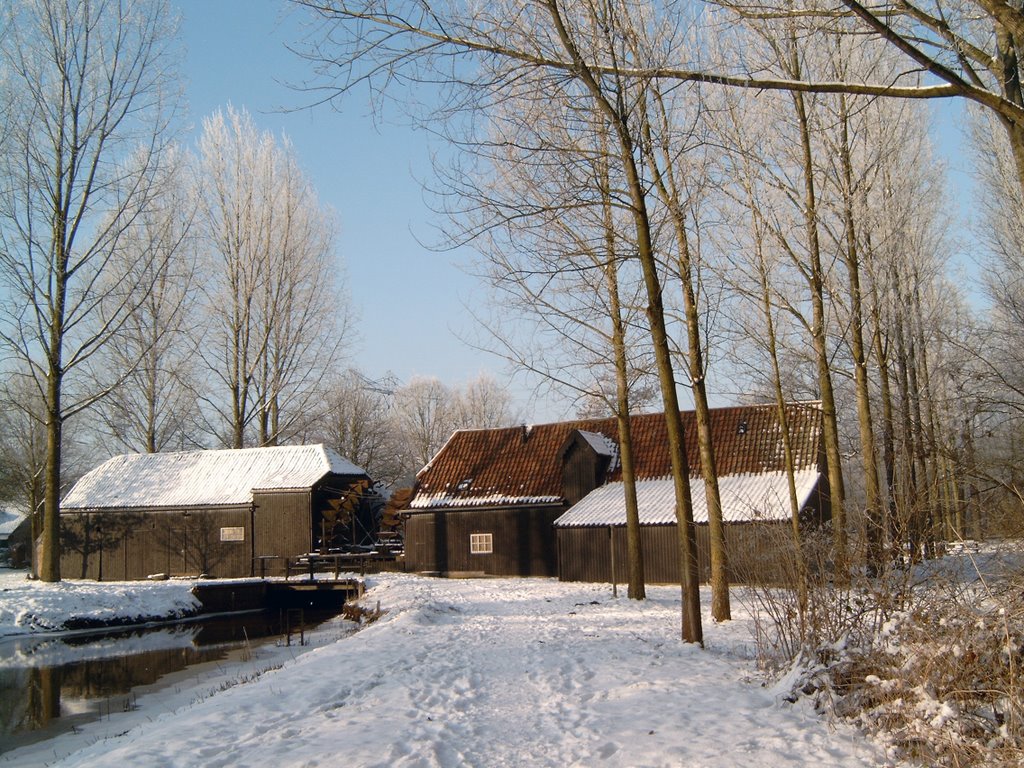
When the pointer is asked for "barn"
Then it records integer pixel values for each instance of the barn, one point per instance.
(548, 500)
(223, 513)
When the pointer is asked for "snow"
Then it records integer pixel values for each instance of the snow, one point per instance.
(745, 497)
(191, 478)
(444, 499)
(495, 672)
(36, 606)
(9, 520)
(603, 446)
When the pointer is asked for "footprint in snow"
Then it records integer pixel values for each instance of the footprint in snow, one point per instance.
(607, 750)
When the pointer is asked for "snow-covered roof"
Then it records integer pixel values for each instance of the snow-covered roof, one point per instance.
(602, 444)
(515, 466)
(203, 478)
(745, 497)
(444, 499)
(10, 518)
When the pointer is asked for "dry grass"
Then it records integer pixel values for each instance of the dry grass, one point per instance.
(928, 660)
(361, 614)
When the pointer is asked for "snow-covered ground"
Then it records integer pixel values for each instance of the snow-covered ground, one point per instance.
(495, 672)
(35, 606)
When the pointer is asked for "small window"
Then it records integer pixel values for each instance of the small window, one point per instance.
(481, 543)
(232, 534)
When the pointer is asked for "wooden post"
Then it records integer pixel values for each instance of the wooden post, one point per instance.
(611, 549)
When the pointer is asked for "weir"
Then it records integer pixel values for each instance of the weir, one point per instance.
(261, 594)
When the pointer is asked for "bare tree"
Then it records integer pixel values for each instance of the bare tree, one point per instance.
(543, 39)
(973, 47)
(679, 171)
(423, 418)
(154, 407)
(543, 211)
(92, 87)
(482, 403)
(303, 306)
(425, 411)
(1001, 228)
(357, 422)
(774, 177)
(23, 434)
(275, 323)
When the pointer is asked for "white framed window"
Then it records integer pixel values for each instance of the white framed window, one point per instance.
(481, 543)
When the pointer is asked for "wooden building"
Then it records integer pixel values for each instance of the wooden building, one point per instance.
(548, 500)
(15, 536)
(225, 513)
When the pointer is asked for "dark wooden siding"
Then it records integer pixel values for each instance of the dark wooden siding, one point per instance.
(523, 542)
(580, 469)
(584, 554)
(282, 528)
(134, 544)
(141, 542)
(755, 549)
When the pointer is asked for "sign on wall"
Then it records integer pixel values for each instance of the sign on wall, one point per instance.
(232, 534)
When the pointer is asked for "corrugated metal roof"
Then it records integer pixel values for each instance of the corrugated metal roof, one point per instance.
(518, 463)
(745, 498)
(203, 478)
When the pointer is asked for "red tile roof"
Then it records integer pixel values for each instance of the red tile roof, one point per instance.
(523, 463)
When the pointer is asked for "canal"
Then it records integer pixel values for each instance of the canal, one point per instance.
(53, 685)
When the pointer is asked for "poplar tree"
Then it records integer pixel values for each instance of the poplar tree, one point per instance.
(88, 92)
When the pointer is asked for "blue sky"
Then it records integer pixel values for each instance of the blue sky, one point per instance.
(409, 299)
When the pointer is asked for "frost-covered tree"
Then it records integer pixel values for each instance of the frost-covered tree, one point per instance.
(357, 422)
(154, 408)
(482, 403)
(275, 319)
(424, 418)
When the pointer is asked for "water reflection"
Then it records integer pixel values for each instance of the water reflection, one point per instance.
(50, 685)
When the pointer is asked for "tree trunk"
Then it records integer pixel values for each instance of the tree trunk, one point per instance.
(926, 416)
(971, 523)
(830, 426)
(49, 559)
(888, 429)
(637, 589)
(275, 420)
(667, 188)
(238, 386)
(923, 491)
(692, 631)
(720, 608)
(1010, 82)
(802, 586)
(872, 491)
(909, 488)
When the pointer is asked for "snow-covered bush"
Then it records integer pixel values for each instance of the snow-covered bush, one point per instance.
(929, 661)
(804, 610)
